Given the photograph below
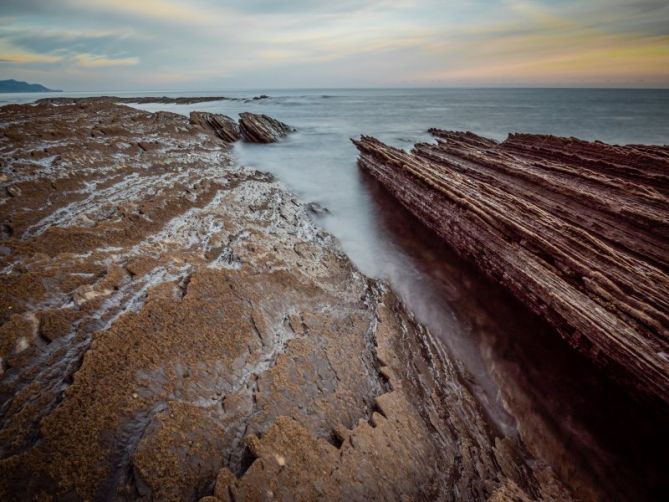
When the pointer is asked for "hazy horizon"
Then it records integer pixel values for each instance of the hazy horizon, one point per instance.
(169, 45)
(346, 88)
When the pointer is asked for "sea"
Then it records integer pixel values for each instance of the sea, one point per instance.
(525, 377)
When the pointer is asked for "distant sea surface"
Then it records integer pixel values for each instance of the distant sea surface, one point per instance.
(508, 355)
(610, 115)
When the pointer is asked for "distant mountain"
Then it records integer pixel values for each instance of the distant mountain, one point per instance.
(18, 86)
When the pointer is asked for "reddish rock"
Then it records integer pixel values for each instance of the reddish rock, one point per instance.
(221, 125)
(262, 128)
(578, 231)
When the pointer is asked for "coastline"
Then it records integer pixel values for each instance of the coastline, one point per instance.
(223, 343)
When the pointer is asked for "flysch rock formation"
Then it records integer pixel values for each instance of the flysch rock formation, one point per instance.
(577, 231)
(174, 326)
(257, 128)
(223, 126)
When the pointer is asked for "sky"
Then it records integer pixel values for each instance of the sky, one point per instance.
(81, 45)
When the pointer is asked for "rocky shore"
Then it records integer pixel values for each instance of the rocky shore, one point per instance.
(577, 231)
(143, 100)
(175, 327)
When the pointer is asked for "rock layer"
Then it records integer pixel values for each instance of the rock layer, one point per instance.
(578, 231)
(221, 125)
(175, 326)
(262, 128)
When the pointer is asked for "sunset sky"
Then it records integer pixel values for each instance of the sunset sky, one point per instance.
(207, 44)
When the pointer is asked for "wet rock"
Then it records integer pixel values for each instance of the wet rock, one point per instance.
(87, 293)
(147, 146)
(55, 323)
(16, 336)
(317, 209)
(13, 190)
(577, 231)
(256, 128)
(221, 125)
(224, 481)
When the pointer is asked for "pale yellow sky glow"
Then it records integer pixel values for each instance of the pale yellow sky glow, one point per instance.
(206, 44)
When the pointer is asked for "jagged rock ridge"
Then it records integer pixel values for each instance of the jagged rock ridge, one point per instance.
(578, 231)
(223, 126)
(252, 128)
(257, 128)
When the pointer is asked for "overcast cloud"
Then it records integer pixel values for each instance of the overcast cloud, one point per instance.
(210, 45)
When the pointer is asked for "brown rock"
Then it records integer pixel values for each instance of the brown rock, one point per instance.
(224, 482)
(13, 190)
(221, 125)
(55, 323)
(256, 128)
(248, 372)
(577, 231)
(184, 442)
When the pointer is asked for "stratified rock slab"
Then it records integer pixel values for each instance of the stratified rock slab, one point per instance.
(578, 231)
(175, 326)
(221, 125)
(262, 128)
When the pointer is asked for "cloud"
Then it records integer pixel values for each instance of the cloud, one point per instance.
(95, 61)
(544, 48)
(28, 58)
(258, 43)
(64, 41)
(165, 10)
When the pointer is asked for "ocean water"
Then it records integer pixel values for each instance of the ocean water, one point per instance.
(319, 162)
(522, 372)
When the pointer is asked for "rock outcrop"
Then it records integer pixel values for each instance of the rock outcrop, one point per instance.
(175, 326)
(578, 231)
(262, 128)
(146, 99)
(221, 125)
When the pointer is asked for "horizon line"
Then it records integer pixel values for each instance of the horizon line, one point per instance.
(352, 88)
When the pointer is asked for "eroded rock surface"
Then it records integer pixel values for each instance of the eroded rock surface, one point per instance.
(578, 231)
(174, 326)
(221, 125)
(257, 128)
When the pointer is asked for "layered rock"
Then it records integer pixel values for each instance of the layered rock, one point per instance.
(578, 231)
(174, 326)
(256, 128)
(145, 99)
(221, 125)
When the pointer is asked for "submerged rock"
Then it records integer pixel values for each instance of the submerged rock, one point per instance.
(221, 125)
(317, 209)
(577, 231)
(262, 128)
